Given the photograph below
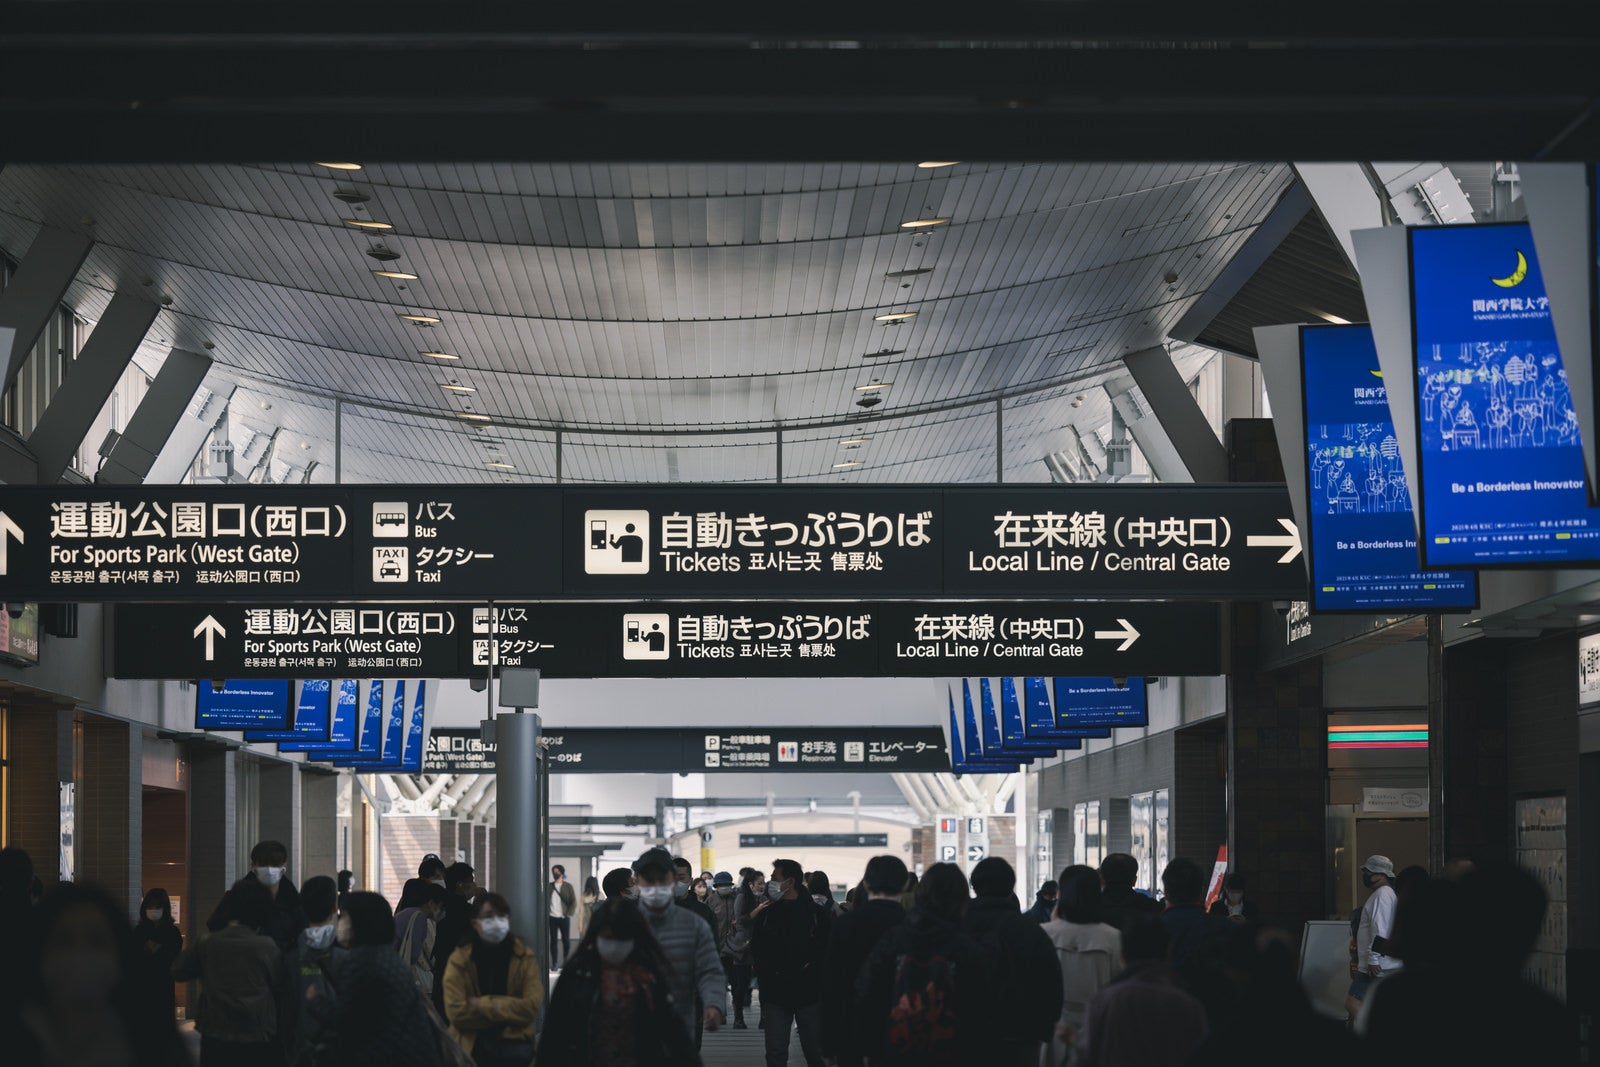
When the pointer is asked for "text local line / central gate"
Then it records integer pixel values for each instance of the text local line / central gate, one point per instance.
(451, 543)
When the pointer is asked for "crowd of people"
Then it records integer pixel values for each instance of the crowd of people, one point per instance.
(941, 969)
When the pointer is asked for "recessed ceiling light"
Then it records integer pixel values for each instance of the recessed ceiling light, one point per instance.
(922, 224)
(472, 415)
(1329, 317)
(895, 316)
(910, 272)
(847, 463)
(873, 386)
(266, 405)
(931, 165)
(340, 166)
(395, 274)
(305, 444)
(367, 224)
(855, 440)
(440, 355)
(454, 388)
(500, 466)
(428, 319)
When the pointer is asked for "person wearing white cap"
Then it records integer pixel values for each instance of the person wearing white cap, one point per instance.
(1375, 931)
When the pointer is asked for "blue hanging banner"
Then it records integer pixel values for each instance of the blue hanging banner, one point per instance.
(312, 716)
(1039, 717)
(1013, 735)
(394, 738)
(342, 728)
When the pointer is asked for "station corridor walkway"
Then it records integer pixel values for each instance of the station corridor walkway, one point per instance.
(745, 1048)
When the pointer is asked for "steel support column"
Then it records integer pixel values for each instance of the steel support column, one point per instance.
(516, 866)
(36, 291)
(1181, 419)
(156, 417)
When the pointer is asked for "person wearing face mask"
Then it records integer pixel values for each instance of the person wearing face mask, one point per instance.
(307, 996)
(79, 1001)
(821, 890)
(736, 946)
(1375, 928)
(156, 944)
(683, 893)
(788, 940)
(687, 942)
(241, 971)
(460, 884)
(416, 928)
(269, 866)
(1232, 905)
(613, 1005)
(493, 989)
(431, 869)
(563, 905)
(586, 902)
(379, 1017)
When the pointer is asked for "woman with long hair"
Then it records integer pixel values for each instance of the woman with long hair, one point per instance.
(736, 949)
(613, 1005)
(380, 1015)
(493, 989)
(156, 945)
(81, 1001)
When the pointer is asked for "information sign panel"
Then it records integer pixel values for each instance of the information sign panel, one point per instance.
(242, 705)
(1361, 540)
(312, 715)
(1013, 737)
(1501, 466)
(370, 735)
(1101, 702)
(1039, 717)
(343, 725)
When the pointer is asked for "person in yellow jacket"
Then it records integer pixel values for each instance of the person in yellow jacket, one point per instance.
(493, 989)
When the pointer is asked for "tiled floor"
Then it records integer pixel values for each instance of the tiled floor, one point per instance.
(744, 1048)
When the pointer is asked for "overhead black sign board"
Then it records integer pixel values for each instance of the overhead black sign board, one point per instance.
(709, 639)
(673, 751)
(813, 840)
(421, 542)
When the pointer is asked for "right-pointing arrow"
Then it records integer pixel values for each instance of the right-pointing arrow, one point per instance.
(8, 530)
(213, 630)
(1127, 635)
(1289, 541)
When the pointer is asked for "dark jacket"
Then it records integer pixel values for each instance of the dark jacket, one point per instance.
(1043, 910)
(855, 934)
(306, 1016)
(1191, 929)
(688, 901)
(287, 918)
(241, 972)
(1027, 974)
(379, 1019)
(155, 949)
(564, 1042)
(975, 1006)
(568, 895)
(788, 940)
(448, 934)
(1119, 907)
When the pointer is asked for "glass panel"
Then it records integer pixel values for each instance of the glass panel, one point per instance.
(1163, 840)
(1141, 839)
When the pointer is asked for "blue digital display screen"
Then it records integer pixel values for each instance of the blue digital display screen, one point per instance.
(410, 748)
(1363, 542)
(1101, 702)
(369, 746)
(1501, 465)
(394, 736)
(1039, 716)
(242, 705)
(983, 735)
(960, 760)
(1013, 737)
(311, 715)
(342, 727)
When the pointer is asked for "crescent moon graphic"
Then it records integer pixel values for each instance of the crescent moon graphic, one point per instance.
(1516, 276)
(1376, 373)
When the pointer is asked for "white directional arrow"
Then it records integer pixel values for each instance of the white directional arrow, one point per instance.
(8, 530)
(1289, 541)
(1127, 635)
(213, 630)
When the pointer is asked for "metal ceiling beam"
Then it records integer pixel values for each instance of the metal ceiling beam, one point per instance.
(189, 436)
(1148, 433)
(1181, 419)
(34, 293)
(94, 374)
(155, 419)
(722, 81)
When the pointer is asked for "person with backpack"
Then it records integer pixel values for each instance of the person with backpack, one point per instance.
(306, 998)
(240, 970)
(1023, 959)
(789, 935)
(875, 912)
(925, 992)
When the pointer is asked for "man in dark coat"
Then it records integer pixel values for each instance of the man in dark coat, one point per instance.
(788, 937)
(1120, 903)
(269, 865)
(1023, 960)
(855, 933)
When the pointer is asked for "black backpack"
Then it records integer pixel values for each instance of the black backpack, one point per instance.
(922, 1010)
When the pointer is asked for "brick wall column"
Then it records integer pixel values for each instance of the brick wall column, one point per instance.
(319, 824)
(280, 811)
(110, 809)
(213, 814)
(40, 748)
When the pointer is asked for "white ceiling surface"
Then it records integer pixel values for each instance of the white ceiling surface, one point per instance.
(658, 297)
